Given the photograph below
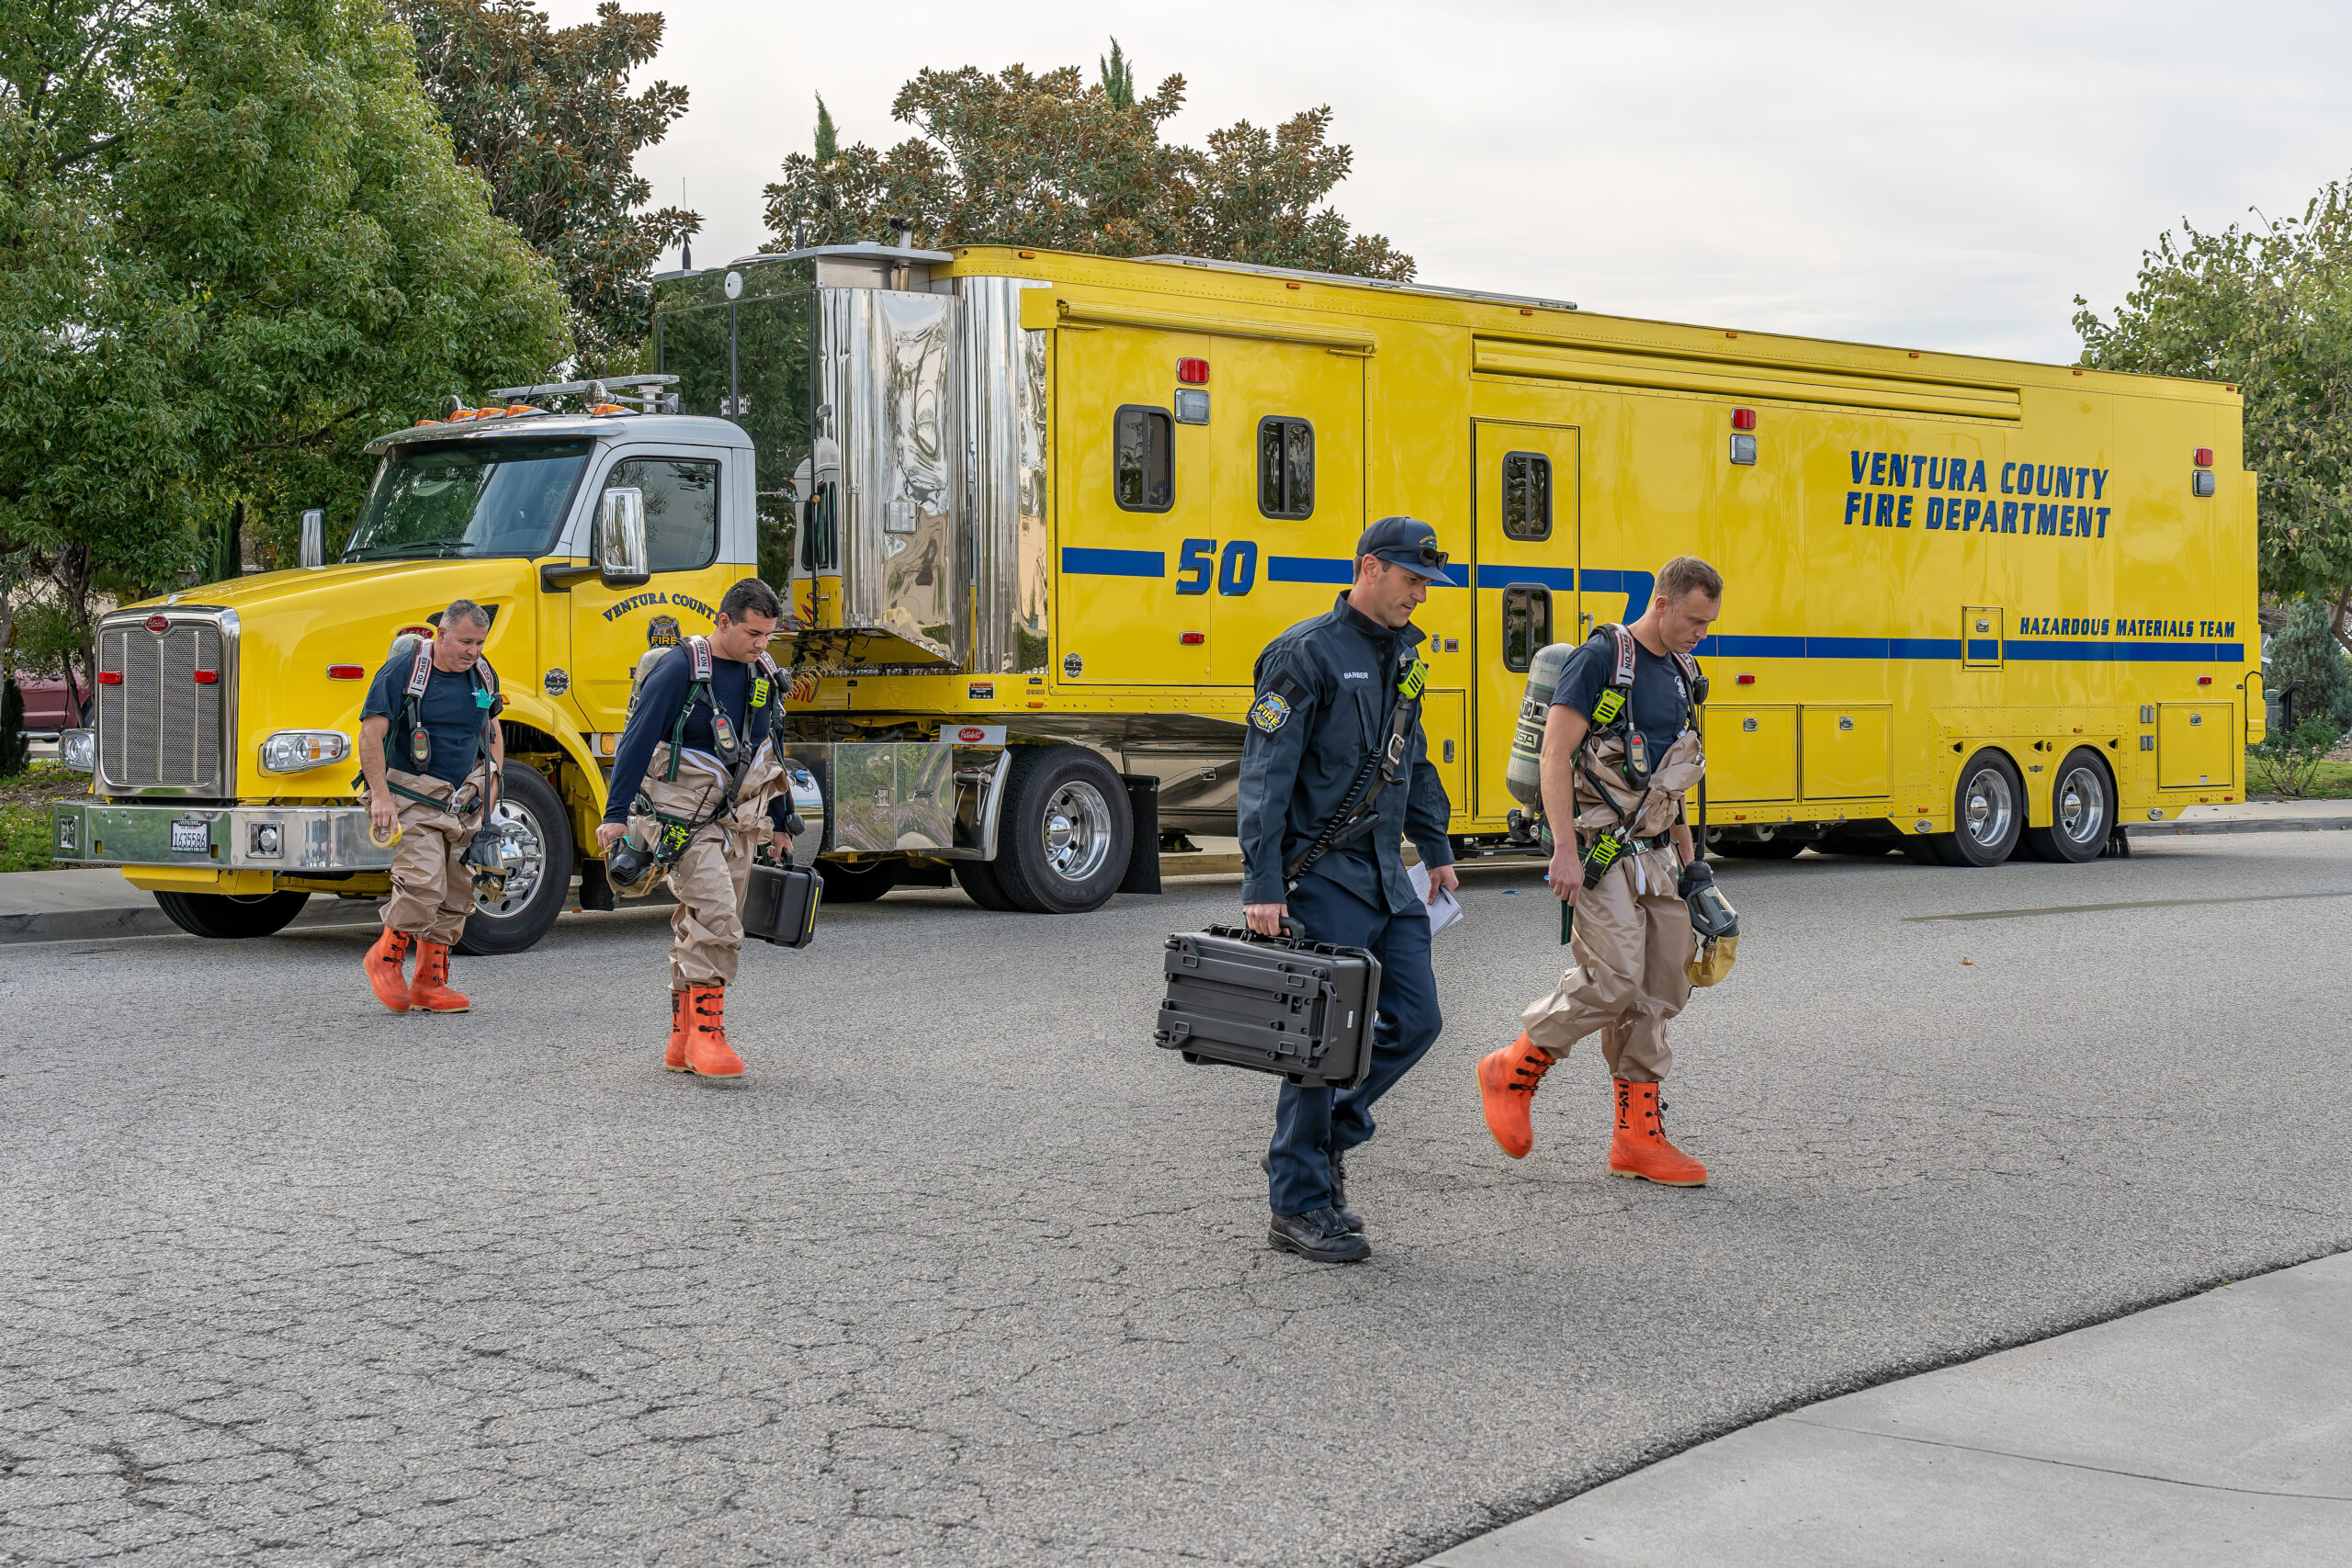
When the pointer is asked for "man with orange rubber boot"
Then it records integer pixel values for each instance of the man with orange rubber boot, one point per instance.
(1620, 752)
(430, 748)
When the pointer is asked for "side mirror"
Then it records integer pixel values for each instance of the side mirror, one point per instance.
(622, 561)
(314, 538)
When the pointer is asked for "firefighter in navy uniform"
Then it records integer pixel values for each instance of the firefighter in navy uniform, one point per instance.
(430, 748)
(1621, 752)
(1334, 770)
(696, 784)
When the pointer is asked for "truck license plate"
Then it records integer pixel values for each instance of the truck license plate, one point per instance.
(191, 836)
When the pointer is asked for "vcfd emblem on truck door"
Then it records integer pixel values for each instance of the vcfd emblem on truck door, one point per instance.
(557, 683)
(1073, 666)
(661, 631)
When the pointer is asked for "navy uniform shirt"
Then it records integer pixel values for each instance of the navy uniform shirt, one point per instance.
(658, 702)
(449, 711)
(1326, 695)
(1661, 698)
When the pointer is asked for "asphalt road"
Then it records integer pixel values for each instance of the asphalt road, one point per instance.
(968, 1273)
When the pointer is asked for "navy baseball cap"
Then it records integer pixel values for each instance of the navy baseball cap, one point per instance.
(1408, 542)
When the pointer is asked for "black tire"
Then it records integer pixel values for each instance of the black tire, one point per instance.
(980, 882)
(227, 917)
(536, 893)
(1919, 849)
(1758, 849)
(1063, 839)
(858, 884)
(2081, 812)
(1867, 846)
(1988, 812)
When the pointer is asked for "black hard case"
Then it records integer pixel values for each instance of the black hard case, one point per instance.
(780, 904)
(1272, 1004)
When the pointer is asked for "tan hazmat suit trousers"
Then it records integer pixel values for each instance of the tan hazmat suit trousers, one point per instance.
(433, 891)
(1630, 940)
(709, 877)
(1632, 933)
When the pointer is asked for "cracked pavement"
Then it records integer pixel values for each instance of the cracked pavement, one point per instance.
(966, 1273)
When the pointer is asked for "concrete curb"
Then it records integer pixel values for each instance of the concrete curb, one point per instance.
(2264, 825)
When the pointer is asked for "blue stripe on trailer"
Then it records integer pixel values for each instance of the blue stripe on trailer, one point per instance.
(1559, 579)
(1310, 568)
(1114, 563)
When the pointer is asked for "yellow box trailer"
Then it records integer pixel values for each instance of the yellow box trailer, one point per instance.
(1040, 512)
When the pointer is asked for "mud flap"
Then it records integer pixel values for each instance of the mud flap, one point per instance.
(1143, 855)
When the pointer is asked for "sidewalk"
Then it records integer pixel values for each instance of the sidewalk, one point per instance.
(2215, 1429)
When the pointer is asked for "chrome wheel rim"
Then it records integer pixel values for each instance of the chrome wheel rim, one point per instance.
(521, 831)
(2081, 805)
(1077, 831)
(1989, 807)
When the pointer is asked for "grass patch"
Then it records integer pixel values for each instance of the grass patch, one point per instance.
(26, 842)
(2330, 780)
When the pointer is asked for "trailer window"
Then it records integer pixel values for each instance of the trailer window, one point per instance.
(1285, 468)
(1142, 469)
(1527, 623)
(681, 510)
(1527, 496)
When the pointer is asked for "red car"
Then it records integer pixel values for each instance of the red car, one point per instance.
(48, 707)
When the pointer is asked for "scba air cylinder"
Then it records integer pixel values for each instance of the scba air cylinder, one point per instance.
(1524, 776)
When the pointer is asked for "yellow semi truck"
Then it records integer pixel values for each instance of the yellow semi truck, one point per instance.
(1040, 512)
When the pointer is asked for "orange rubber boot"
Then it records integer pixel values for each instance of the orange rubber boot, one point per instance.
(676, 1059)
(707, 1052)
(384, 963)
(1507, 1081)
(430, 991)
(1639, 1147)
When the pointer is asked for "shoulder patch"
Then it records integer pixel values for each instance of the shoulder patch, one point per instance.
(1271, 711)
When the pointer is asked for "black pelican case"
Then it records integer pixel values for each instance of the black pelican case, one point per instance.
(1271, 1004)
(780, 904)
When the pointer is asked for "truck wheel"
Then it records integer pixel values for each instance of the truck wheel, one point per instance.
(225, 917)
(1988, 812)
(2081, 812)
(534, 819)
(858, 884)
(1062, 843)
(980, 882)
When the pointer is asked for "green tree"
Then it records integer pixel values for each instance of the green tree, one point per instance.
(1118, 77)
(829, 141)
(272, 256)
(2267, 307)
(2308, 669)
(1047, 161)
(547, 116)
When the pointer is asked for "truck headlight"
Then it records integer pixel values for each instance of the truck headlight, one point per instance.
(78, 749)
(298, 750)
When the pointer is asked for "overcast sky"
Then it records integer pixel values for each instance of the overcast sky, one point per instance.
(1945, 176)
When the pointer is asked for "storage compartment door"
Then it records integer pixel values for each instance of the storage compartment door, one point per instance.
(1751, 754)
(2195, 745)
(1845, 753)
(1441, 723)
(1524, 488)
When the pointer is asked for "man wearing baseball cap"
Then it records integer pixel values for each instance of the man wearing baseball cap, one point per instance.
(1334, 771)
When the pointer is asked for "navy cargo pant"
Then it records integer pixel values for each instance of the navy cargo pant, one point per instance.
(1312, 1123)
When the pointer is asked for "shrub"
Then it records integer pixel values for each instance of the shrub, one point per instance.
(2286, 764)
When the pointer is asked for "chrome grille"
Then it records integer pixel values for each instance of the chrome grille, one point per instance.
(158, 727)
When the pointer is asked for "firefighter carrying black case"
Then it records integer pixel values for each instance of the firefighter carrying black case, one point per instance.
(1272, 1004)
(780, 904)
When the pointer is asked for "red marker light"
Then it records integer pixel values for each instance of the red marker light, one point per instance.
(2204, 680)
(1192, 640)
(109, 677)
(157, 624)
(2204, 457)
(1743, 419)
(1193, 372)
(207, 677)
(346, 673)
(1747, 680)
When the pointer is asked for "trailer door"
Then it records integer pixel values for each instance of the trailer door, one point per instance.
(1524, 496)
(1134, 486)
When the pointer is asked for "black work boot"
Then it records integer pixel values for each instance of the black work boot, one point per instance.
(1348, 1217)
(1319, 1235)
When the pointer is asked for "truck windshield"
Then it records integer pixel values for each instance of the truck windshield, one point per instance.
(472, 498)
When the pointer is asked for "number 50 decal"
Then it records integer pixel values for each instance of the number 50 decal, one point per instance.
(1236, 570)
